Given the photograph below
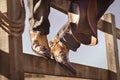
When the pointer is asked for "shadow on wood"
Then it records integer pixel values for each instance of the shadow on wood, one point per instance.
(4, 64)
(35, 64)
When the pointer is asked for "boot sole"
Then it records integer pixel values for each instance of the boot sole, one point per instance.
(69, 67)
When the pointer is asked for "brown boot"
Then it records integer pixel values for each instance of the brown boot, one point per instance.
(60, 53)
(40, 44)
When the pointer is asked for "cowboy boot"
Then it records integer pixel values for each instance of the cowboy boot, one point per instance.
(40, 44)
(60, 53)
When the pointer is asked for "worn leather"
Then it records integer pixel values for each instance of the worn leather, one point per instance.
(90, 12)
(40, 44)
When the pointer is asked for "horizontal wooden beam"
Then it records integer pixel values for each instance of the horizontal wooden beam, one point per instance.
(118, 33)
(63, 6)
(35, 64)
(102, 26)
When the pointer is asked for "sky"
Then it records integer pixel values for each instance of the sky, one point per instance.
(86, 55)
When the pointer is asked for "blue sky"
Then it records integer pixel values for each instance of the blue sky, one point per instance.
(87, 55)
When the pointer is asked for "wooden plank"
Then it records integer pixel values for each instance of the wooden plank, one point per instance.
(3, 40)
(15, 46)
(3, 6)
(36, 65)
(4, 65)
(63, 6)
(3, 34)
(118, 33)
(3, 45)
(4, 73)
(15, 11)
(112, 48)
(15, 42)
(29, 76)
(102, 26)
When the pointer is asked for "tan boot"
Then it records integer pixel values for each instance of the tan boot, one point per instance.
(60, 53)
(40, 44)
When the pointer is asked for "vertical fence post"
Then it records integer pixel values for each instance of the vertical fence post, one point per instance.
(16, 68)
(112, 48)
(15, 12)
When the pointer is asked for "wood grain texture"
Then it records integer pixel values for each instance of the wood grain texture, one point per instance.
(3, 45)
(14, 65)
(38, 65)
(15, 42)
(112, 48)
(3, 6)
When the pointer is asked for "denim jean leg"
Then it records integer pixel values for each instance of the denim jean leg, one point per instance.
(65, 36)
(38, 18)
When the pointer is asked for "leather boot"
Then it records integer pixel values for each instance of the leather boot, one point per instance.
(40, 44)
(60, 53)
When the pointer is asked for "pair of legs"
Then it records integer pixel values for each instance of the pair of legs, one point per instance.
(39, 25)
(81, 27)
(39, 28)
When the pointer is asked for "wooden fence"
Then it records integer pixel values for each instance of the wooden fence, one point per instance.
(13, 63)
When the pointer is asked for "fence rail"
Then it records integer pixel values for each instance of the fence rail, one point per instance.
(13, 63)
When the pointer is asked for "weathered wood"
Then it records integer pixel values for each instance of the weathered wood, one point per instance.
(15, 43)
(3, 9)
(15, 10)
(27, 63)
(102, 26)
(3, 6)
(63, 6)
(3, 44)
(4, 65)
(112, 48)
(3, 40)
(35, 64)
(16, 68)
(118, 33)
(29, 76)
